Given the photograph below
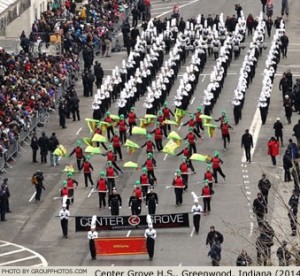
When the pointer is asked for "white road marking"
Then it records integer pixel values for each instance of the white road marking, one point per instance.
(203, 78)
(251, 228)
(35, 254)
(59, 158)
(165, 157)
(32, 197)
(180, 264)
(180, 126)
(112, 264)
(78, 131)
(19, 260)
(128, 233)
(12, 252)
(192, 233)
(192, 101)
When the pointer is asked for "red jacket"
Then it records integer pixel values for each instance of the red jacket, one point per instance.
(149, 146)
(78, 152)
(110, 156)
(191, 138)
(206, 191)
(86, 167)
(102, 185)
(184, 167)
(116, 142)
(131, 117)
(64, 192)
(70, 183)
(273, 148)
(110, 171)
(122, 126)
(225, 129)
(208, 176)
(178, 182)
(158, 134)
(216, 162)
(138, 192)
(144, 179)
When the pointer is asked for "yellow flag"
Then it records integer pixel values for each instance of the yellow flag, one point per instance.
(170, 147)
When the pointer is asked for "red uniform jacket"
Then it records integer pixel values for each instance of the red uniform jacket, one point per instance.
(273, 148)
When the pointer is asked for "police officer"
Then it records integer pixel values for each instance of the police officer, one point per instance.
(92, 235)
(196, 211)
(39, 186)
(264, 186)
(64, 215)
(150, 235)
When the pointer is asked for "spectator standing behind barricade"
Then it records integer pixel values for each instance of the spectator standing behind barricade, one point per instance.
(250, 24)
(135, 16)
(53, 143)
(43, 143)
(34, 146)
(108, 44)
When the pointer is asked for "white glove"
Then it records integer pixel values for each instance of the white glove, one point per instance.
(109, 208)
(146, 206)
(120, 207)
(129, 207)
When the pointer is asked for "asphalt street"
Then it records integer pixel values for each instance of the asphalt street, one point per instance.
(35, 226)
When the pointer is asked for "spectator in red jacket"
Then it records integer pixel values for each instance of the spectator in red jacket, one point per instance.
(273, 149)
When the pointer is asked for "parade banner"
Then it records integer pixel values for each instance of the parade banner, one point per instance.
(83, 223)
(120, 246)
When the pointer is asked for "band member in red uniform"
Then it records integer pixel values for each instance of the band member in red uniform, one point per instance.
(179, 185)
(131, 120)
(78, 154)
(209, 176)
(110, 129)
(207, 193)
(216, 166)
(144, 180)
(225, 133)
(199, 123)
(192, 124)
(111, 174)
(150, 163)
(151, 201)
(116, 142)
(122, 129)
(184, 169)
(150, 146)
(158, 136)
(111, 156)
(102, 189)
(191, 138)
(71, 182)
(99, 131)
(167, 114)
(87, 171)
(187, 153)
(65, 192)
